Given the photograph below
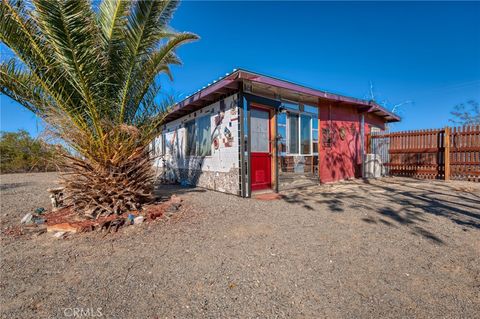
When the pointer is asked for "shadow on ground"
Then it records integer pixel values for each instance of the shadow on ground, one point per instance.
(163, 192)
(8, 186)
(397, 202)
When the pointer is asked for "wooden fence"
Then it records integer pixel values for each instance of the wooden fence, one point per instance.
(449, 153)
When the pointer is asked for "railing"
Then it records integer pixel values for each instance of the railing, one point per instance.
(449, 153)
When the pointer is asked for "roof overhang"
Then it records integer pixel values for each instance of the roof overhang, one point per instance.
(274, 88)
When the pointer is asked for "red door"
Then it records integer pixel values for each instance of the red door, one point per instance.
(260, 152)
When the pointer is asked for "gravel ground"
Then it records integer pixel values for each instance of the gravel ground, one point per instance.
(391, 248)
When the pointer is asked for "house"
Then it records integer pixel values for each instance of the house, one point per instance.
(248, 132)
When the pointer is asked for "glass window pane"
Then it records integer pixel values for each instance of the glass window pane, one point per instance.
(190, 131)
(306, 128)
(315, 123)
(315, 135)
(282, 118)
(315, 147)
(259, 122)
(282, 132)
(204, 137)
(293, 133)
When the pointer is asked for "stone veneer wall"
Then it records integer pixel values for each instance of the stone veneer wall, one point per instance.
(225, 182)
(219, 171)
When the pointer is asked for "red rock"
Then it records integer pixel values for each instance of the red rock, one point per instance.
(63, 227)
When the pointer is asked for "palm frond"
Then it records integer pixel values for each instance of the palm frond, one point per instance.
(146, 72)
(20, 85)
(69, 27)
(145, 28)
(112, 17)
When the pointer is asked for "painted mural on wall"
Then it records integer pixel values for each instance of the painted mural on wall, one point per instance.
(177, 166)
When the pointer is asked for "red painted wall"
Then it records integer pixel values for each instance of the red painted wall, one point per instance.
(342, 159)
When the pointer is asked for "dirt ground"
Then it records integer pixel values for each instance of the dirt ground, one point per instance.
(390, 248)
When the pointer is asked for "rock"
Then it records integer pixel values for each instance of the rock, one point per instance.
(174, 207)
(59, 234)
(155, 215)
(174, 199)
(27, 218)
(40, 211)
(63, 227)
(138, 220)
(39, 220)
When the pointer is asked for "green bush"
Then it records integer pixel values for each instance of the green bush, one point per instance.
(19, 152)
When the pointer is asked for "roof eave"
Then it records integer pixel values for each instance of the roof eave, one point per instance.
(230, 81)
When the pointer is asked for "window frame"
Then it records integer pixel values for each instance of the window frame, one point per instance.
(299, 113)
(288, 133)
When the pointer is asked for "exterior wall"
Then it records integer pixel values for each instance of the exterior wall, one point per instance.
(342, 158)
(220, 170)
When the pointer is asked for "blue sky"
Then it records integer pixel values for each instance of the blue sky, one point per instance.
(427, 52)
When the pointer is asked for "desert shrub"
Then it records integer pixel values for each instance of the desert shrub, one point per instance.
(19, 152)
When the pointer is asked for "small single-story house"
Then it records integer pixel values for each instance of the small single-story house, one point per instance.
(248, 132)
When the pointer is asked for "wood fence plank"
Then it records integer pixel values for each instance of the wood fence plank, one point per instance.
(450, 153)
(446, 153)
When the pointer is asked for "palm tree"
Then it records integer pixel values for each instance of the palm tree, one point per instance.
(91, 73)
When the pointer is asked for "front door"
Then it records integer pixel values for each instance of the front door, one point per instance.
(260, 152)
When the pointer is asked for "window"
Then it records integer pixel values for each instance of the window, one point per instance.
(191, 147)
(158, 145)
(315, 135)
(204, 137)
(199, 139)
(300, 134)
(293, 133)
(259, 122)
(282, 132)
(305, 134)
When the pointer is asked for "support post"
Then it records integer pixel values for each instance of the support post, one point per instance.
(369, 143)
(249, 151)
(275, 145)
(241, 148)
(320, 142)
(446, 153)
(362, 142)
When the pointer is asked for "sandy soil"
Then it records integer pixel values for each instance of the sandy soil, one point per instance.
(391, 248)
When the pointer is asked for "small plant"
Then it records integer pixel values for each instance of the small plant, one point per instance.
(90, 72)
